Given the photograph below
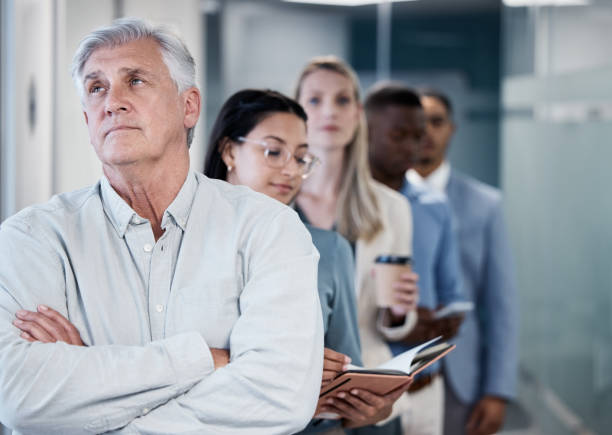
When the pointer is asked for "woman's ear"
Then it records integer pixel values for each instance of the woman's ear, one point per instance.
(227, 153)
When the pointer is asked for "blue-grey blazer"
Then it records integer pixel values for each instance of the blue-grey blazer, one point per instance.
(485, 360)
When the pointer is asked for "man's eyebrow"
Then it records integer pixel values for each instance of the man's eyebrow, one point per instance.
(134, 71)
(91, 76)
(127, 71)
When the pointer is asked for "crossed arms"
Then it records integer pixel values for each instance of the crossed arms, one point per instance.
(166, 385)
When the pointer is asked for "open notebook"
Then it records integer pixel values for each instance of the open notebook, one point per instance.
(386, 377)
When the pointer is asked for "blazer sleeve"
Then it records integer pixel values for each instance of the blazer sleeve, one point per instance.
(500, 301)
(447, 266)
(399, 222)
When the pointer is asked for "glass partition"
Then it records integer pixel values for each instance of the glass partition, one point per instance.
(556, 129)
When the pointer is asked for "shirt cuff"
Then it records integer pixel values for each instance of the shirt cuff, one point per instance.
(190, 357)
(396, 333)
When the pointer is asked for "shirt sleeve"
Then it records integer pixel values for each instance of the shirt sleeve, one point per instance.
(447, 267)
(58, 388)
(500, 310)
(272, 382)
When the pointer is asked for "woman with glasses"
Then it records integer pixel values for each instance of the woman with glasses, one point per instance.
(259, 140)
(342, 195)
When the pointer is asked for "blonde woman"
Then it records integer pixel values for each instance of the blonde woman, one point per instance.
(342, 195)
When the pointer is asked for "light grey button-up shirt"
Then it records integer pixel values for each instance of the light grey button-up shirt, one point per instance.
(234, 269)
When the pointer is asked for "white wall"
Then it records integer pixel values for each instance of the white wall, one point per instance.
(33, 67)
(75, 164)
(266, 45)
(185, 18)
(56, 155)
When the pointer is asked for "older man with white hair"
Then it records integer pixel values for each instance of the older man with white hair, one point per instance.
(156, 301)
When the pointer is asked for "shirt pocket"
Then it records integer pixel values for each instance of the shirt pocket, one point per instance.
(211, 309)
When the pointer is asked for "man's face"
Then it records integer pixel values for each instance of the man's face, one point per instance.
(439, 131)
(396, 134)
(132, 108)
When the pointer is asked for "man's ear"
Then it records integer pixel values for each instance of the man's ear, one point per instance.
(227, 152)
(193, 102)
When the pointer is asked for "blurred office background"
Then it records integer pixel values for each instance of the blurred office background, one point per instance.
(532, 84)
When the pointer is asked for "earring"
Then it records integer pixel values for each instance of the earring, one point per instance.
(229, 168)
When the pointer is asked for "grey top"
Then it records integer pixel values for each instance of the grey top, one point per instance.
(234, 269)
(336, 283)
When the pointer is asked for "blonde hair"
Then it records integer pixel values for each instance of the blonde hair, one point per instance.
(357, 209)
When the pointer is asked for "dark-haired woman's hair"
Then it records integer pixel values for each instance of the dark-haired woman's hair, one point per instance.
(239, 115)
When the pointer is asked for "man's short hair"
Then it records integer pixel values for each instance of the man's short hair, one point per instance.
(175, 53)
(441, 97)
(391, 94)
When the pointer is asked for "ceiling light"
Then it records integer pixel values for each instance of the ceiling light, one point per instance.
(523, 3)
(343, 2)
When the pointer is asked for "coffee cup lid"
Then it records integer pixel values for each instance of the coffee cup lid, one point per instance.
(393, 259)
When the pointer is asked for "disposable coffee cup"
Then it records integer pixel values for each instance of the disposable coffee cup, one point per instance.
(388, 269)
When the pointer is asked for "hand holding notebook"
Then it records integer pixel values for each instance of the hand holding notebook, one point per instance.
(386, 377)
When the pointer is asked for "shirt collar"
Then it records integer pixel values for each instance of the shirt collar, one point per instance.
(121, 214)
(437, 180)
(408, 188)
(180, 208)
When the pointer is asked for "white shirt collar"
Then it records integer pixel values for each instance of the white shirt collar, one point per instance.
(437, 180)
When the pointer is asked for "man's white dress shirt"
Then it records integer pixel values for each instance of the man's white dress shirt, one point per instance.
(234, 269)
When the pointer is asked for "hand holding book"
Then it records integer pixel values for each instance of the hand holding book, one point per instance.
(385, 379)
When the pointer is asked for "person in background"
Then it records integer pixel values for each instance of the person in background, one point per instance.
(480, 375)
(157, 301)
(342, 195)
(259, 140)
(396, 125)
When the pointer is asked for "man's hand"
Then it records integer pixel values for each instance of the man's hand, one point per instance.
(333, 363)
(220, 357)
(47, 326)
(425, 328)
(487, 416)
(449, 326)
(361, 408)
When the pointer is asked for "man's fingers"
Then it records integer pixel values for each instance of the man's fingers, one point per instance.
(34, 331)
(73, 334)
(51, 327)
(473, 422)
(27, 337)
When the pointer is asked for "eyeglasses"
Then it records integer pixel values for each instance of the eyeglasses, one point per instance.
(277, 155)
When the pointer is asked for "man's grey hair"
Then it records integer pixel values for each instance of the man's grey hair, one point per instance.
(174, 52)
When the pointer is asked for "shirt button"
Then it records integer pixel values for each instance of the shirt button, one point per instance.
(145, 411)
(159, 308)
(148, 247)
